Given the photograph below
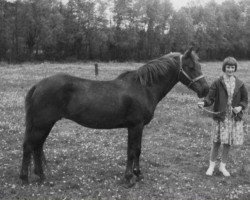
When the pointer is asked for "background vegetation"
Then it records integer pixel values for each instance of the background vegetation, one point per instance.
(88, 163)
(121, 29)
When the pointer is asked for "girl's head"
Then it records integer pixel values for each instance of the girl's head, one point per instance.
(229, 61)
(229, 66)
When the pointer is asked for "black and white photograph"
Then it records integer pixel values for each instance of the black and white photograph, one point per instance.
(124, 99)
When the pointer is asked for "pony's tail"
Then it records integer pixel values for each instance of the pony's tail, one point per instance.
(28, 132)
(28, 110)
(29, 120)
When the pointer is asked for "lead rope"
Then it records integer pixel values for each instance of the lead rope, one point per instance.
(209, 111)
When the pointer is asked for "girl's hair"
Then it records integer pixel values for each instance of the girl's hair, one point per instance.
(229, 61)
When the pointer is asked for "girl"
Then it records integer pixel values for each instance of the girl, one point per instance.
(230, 98)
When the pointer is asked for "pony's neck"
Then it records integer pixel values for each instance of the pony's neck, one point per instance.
(160, 90)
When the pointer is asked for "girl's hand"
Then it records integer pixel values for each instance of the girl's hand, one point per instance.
(201, 104)
(237, 109)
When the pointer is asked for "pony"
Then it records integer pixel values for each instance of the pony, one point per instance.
(128, 101)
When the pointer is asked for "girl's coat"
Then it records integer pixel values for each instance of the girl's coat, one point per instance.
(218, 95)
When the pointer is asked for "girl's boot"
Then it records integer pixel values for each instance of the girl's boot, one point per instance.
(222, 169)
(211, 168)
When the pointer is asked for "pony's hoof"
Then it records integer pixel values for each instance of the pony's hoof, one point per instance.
(24, 180)
(42, 177)
(139, 177)
(41, 180)
(128, 183)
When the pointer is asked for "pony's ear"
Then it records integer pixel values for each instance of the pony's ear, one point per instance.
(187, 54)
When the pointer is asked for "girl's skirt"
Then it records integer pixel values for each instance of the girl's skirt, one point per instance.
(229, 132)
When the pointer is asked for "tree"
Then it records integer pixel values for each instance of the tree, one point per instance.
(234, 28)
(4, 30)
(133, 30)
(181, 30)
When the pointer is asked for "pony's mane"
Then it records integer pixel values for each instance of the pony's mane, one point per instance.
(152, 71)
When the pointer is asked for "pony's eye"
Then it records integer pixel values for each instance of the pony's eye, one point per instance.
(191, 67)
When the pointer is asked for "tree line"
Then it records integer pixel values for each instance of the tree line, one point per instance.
(121, 30)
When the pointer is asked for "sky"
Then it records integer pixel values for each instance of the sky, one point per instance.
(177, 4)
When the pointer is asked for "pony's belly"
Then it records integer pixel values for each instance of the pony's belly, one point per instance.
(100, 124)
(93, 120)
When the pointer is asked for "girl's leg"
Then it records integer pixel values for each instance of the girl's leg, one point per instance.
(224, 157)
(214, 151)
(213, 156)
(225, 151)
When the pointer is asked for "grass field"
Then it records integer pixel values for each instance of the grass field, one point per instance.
(88, 164)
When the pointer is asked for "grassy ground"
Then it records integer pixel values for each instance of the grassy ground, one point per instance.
(88, 164)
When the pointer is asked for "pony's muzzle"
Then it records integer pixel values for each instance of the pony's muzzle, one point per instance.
(204, 92)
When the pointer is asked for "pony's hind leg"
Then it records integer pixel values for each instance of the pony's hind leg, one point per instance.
(38, 153)
(39, 159)
(33, 145)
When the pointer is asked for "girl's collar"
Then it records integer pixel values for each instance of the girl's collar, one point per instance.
(228, 78)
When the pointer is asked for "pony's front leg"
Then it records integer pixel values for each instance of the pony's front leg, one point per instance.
(133, 154)
(137, 170)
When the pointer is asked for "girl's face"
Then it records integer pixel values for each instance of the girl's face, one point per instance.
(229, 70)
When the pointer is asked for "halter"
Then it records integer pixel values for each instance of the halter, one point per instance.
(191, 81)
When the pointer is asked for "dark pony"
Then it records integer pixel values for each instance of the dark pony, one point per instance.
(129, 101)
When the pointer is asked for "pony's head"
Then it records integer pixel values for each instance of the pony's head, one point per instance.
(190, 73)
